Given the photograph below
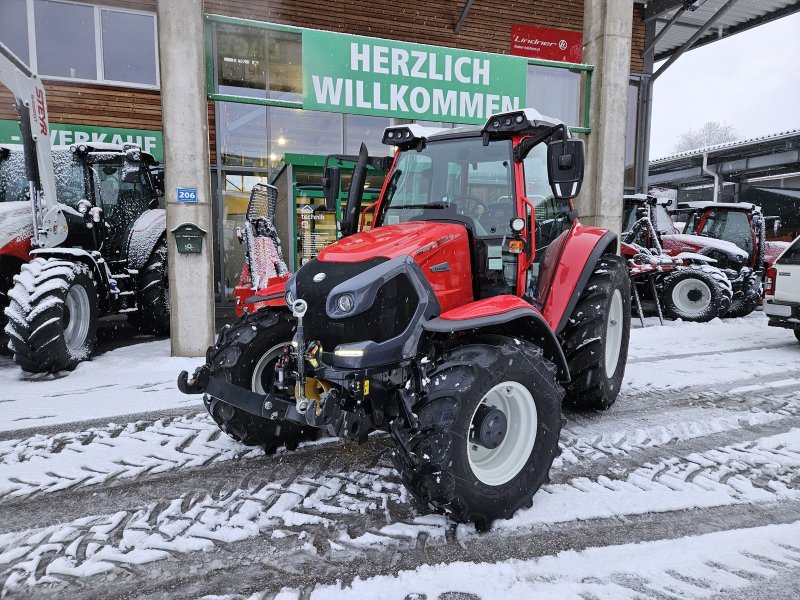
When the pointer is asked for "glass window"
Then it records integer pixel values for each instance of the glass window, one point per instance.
(551, 214)
(732, 226)
(630, 136)
(303, 132)
(455, 179)
(361, 128)
(242, 134)
(129, 47)
(792, 255)
(241, 60)
(285, 66)
(65, 40)
(555, 93)
(251, 61)
(14, 27)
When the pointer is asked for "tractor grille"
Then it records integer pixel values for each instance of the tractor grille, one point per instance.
(388, 316)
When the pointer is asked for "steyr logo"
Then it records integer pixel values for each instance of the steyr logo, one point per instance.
(41, 111)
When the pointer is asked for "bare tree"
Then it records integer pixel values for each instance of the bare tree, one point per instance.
(708, 135)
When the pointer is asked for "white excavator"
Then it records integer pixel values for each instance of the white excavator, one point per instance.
(81, 236)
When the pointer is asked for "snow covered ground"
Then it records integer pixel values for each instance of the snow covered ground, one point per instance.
(113, 484)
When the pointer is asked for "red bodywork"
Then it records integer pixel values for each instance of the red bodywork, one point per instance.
(432, 243)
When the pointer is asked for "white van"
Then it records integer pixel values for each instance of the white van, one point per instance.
(782, 290)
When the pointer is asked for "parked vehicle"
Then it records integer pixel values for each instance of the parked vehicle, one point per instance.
(458, 331)
(782, 290)
(733, 234)
(686, 284)
(81, 236)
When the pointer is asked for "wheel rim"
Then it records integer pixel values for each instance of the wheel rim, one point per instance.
(614, 333)
(77, 317)
(691, 297)
(257, 382)
(500, 465)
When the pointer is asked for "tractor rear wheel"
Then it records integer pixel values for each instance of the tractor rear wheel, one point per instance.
(487, 431)
(153, 294)
(595, 340)
(748, 300)
(245, 354)
(52, 317)
(696, 293)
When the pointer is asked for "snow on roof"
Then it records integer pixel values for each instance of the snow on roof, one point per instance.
(707, 204)
(737, 144)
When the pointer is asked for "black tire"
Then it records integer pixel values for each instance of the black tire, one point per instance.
(153, 294)
(45, 336)
(437, 469)
(234, 358)
(694, 278)
(591, 333)
(797, 334)
(746, 302)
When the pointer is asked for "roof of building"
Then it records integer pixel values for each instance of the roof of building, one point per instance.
(789, 133)
(741, 16)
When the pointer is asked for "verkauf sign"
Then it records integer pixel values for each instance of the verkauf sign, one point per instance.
(370, 76)
(546, 44)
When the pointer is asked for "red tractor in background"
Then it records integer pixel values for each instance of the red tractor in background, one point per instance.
(712, 229)
(458, 324)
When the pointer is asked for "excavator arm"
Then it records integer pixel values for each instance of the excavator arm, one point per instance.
(49, 223)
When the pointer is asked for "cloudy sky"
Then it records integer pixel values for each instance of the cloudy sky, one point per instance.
(750, 80)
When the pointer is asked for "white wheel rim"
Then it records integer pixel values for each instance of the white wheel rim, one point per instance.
(78, 315)
(691, 297)
(502, 464)
(258, 372)
(614, 333)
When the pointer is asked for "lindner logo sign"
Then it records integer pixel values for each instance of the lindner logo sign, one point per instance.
(370, 76)
(546, 44)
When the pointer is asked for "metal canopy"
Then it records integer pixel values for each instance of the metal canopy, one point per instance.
(744, 15)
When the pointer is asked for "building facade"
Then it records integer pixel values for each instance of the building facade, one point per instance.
(99, 61)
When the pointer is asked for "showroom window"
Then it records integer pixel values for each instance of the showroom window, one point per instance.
(83, 42)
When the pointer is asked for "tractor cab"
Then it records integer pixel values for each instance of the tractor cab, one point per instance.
(507, 185)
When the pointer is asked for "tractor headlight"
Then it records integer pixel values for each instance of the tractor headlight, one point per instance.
(345, 303)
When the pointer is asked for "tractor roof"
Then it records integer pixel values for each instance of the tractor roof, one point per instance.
(702, 205)
(88, 147)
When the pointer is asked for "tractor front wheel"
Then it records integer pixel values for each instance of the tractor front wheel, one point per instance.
(487, 431)
(245, 355)
(153, 294)
(748, 300)
(595, 339)
(696, 293)
(52, 316)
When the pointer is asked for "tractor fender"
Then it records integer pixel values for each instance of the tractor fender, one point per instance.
(146, 231)
(91, 259)
(273, 295)
(580, 252)
(505, 315)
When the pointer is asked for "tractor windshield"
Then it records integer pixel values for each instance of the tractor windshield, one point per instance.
(729, 225)
(68, 175)
(458, 179)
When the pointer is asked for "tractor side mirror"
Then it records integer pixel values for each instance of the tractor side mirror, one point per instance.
(331, 185)
(131, 163)
(565, 160)
(349, 223)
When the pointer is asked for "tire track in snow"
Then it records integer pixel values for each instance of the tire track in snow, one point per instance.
(358, 510)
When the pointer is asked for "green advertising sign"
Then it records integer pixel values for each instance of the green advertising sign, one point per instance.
(370, 76)
(65, 134)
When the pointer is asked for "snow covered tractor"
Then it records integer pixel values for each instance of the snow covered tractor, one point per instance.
(81, 236)
(459, 323)
(733, 234)
(683, 284)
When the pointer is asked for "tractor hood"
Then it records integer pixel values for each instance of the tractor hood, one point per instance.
(694, 243)
(416, 239)
(16, 229)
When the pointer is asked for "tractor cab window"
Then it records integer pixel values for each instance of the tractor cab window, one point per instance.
(551, 214)
(454, 180)
(729, 225)
(122, 202)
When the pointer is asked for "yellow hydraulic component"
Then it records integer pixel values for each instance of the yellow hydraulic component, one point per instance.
(314, 390)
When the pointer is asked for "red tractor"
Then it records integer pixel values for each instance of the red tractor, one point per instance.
(734, 234)
(458, 324)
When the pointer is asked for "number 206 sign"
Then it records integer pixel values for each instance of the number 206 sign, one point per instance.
(187, 194)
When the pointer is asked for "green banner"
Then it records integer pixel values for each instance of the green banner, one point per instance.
(371, 76)
(65, 134)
